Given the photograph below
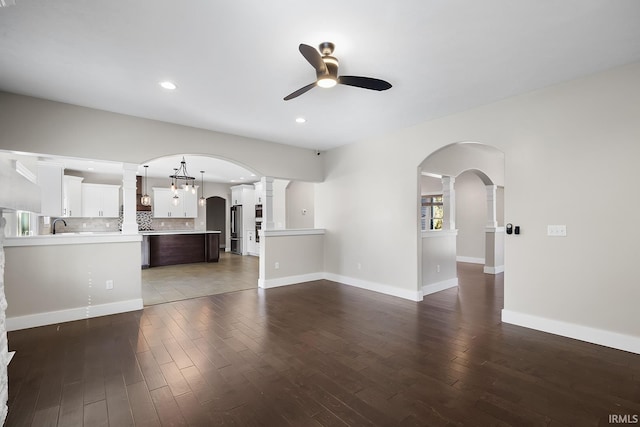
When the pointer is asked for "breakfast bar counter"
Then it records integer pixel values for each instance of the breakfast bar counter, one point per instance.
(179, 247)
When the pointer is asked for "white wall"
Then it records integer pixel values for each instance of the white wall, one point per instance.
(430, 185)
(453, 160)
(40, 126)
(288, 257)
(280, 203)
(471, 215)
(300, 204)
(439, 269)
(69, 282)
(559, 144)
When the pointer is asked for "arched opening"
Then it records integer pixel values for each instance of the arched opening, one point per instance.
(216, 217)
(215, 181)
(461, 213)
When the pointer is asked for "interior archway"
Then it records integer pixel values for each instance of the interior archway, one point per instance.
(471, 218)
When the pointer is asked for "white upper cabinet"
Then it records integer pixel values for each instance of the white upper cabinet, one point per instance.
(236, 195)
(258, 193)
(161, 203)
(164, 208)
(50, 182)
(72, 196)
(100, 200)
(243, 194)
(190, 204)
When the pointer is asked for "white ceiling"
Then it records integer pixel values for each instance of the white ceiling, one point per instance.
(234, 61)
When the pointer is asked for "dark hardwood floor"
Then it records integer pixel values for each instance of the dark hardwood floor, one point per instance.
(317, 354)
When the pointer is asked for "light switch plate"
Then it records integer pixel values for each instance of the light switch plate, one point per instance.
(557, 230)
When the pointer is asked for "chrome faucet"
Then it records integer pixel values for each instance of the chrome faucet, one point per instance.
(53, 224)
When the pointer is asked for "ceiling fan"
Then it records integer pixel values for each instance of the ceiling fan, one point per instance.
(326, 67)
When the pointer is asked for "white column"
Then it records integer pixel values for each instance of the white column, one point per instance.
(4, 348)
(267, 224)
(492, 220)
(129, 223)
(267, 203)
(448, 203)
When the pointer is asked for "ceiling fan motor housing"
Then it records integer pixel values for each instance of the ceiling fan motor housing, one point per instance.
(326, 48)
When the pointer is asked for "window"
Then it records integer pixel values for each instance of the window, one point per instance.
(431, 212)
(24, 223)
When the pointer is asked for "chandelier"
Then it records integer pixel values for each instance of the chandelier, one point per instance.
(181, 174)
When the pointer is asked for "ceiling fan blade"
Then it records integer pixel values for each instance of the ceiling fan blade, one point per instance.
(364, 82)
(300, 91)
(314, 58)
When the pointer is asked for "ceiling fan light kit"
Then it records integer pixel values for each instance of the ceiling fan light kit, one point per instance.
(326, 67)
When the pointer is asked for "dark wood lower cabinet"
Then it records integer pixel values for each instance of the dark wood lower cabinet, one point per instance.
(212, 247)
(170, 249)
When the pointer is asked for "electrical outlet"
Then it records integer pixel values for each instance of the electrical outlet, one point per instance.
(162, 224)
(108, 224)
(109, 284)
(557, 230)
(276, 265)
(359, 266)
(84, 225)
(438, 268)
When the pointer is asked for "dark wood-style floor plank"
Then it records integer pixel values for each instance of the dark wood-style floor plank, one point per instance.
(317, 354)
(95, 414)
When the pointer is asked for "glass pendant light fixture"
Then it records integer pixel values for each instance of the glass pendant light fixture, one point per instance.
(145, 200)
(202, 201)
(174, 188)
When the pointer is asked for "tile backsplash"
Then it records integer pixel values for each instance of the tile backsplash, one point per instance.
(145, 222)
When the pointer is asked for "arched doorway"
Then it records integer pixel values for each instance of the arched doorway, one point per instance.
(480, 171)
(216, 217)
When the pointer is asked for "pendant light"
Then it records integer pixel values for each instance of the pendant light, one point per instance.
(174, 187)
(145, 200)
(202, 201)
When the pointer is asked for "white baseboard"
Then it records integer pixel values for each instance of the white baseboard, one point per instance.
(78, 313)
(439, 286)
(376, 287)
(494, 270)
(616, 340)
(469, 259)
(289, 280)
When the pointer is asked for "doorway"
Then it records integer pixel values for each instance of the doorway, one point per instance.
(216, 217)
(473, 173)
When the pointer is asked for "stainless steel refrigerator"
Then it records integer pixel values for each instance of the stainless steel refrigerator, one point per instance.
(236, 229)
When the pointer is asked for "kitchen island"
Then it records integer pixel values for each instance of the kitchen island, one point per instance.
(179, 247)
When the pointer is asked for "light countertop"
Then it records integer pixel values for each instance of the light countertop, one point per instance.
(90, 237)
(82, 238)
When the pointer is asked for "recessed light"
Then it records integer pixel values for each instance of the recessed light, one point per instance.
(300, 120)
(168, 85)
